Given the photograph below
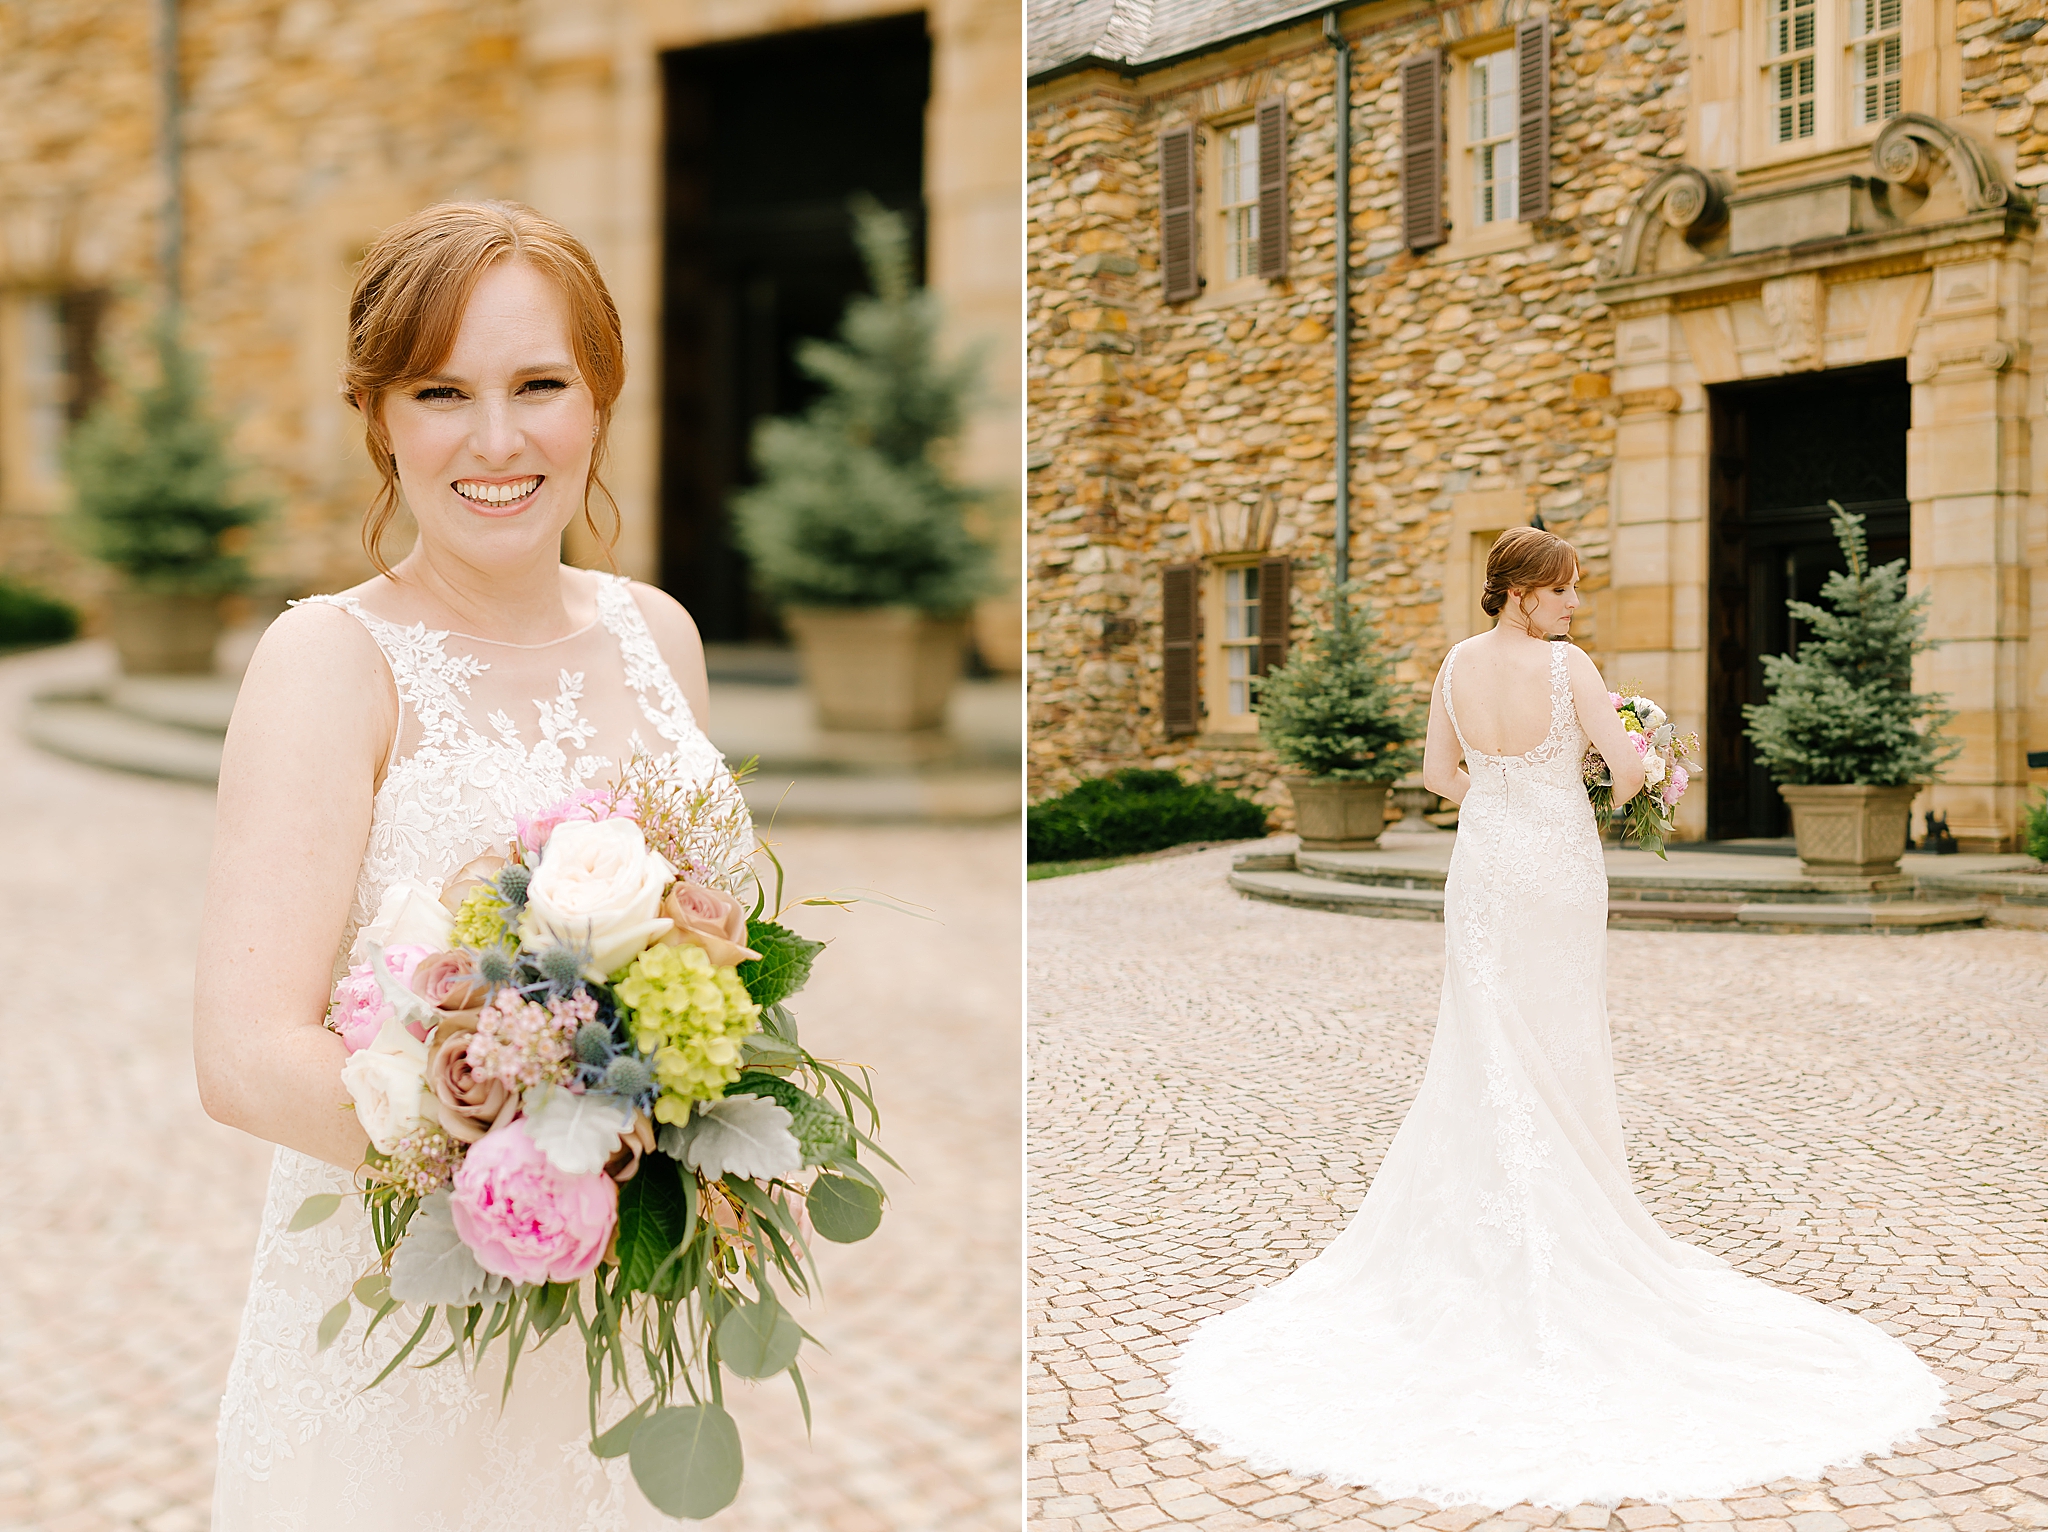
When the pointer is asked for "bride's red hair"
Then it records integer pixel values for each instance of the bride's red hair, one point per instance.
(403, 316)
(1526, 559)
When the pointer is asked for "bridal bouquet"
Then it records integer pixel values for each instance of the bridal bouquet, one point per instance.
(1652, 814)
(587, 1105)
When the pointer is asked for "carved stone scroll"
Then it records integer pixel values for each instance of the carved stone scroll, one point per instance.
(1906, 153)
(1684, 198)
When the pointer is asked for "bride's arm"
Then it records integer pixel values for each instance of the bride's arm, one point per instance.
(1603, 725)
(1441, 772)
(312, 727)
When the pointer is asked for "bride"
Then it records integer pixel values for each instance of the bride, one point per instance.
(394, 732)
(1502, 1321)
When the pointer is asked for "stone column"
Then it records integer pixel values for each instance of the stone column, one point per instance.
(1967, 457)
(1652, 623)
(975, 250)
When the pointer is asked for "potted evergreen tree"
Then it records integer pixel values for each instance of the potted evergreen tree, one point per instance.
(1333, 715)
(1845, 735)
(154, 499)
(857, 528)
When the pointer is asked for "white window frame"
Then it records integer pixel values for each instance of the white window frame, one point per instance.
(1876, 37)
(1217, 647)
(1493, 201)
(1240, 650)
(1467, 237)
(1237, 198)
(35, 399)
(1793, 57)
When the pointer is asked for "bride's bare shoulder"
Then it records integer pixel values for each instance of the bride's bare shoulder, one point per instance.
(317, 672)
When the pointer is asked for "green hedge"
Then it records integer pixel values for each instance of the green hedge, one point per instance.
(30, 617)
(1134, 810)
(2037, 829)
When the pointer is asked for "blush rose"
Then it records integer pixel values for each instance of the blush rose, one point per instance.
(709, 918)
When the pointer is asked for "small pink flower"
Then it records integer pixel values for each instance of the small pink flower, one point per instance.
(526, 1220)
(358, 1008)
(1641, 742)
(585, 803)
(1615, 698)
(1674, 789)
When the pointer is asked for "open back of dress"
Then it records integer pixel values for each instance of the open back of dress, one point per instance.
(1502, 1321)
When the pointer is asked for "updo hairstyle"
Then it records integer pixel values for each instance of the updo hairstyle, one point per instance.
(406, 309)
(1526, 559)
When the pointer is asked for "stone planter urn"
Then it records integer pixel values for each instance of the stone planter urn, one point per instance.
(164, 635)
(1851, 830)
(1332, 814)
(1414, 800)
(878, 669)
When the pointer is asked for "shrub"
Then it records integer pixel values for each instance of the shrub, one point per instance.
(1843, 710)
(1135, 810)
(30, 617)
(2037, 829)
(1332, 711)
(154, 484)
(854, 508)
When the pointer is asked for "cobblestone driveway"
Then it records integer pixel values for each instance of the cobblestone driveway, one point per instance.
(127, 1217)
(1214, 1081)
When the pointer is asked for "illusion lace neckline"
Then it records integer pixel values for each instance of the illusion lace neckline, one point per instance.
(1560, 692)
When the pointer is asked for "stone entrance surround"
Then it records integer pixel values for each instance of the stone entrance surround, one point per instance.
(1924, 255)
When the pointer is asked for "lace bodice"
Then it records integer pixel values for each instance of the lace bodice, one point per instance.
(487, 732)
(1502, 1320)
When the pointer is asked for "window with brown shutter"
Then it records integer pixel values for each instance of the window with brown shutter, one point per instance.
(1276, 612)
(1532, 66)
(1272, 187)
(1177, 268)
(1180, 703)
(1422, 150)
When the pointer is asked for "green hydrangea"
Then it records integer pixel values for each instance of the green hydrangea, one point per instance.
(687, 1018)
(480, 920)
(818, 1127)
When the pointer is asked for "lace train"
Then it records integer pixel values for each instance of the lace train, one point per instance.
(1502, 1321)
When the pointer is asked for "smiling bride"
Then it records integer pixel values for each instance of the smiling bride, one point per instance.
(385, 736)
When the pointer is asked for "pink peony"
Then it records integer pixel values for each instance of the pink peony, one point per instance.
(1674, 788)
(526, 1220)
(585, 803)
(1641, 742)
(1615, 698)
(358, 1008)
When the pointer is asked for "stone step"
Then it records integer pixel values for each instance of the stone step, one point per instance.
(1312, 893)
(200, 703)
(1897, 915)
(86, 729)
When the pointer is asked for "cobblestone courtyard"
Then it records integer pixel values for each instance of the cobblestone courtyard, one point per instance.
(1213, 1082)
(129, 1216)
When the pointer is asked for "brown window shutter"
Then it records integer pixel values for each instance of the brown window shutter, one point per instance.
(1177, 215)
(1532, 69)
(1180, 700)
(1276, 612)
(1422, 149)
(1273, 187)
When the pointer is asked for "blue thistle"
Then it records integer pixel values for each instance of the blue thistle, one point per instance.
(494, 965)
(513, 882)
(628, 1076)
(594, 1044)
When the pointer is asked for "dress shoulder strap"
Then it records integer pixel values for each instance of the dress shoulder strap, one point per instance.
(662, 702)
(432, 684)
(1560, 690)
(1450, 710)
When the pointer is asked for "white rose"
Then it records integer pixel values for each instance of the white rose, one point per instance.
(410, 914)
(1652, 715)
(387, 1082)
(1653, 768)
(597, 886)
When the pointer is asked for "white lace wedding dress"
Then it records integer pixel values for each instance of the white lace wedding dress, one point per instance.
(305, 1445)
(1502, 1321)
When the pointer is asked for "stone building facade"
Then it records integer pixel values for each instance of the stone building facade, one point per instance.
(1759, 253)
(309, 124)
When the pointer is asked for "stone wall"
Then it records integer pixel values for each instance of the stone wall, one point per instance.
(1479, 380)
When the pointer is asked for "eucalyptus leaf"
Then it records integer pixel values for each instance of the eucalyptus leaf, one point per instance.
(844, 1210)
(316, 1209)
(687, 1460)
(372, 1290)
(758, 1340)
(617, 1440)
(330, 1325)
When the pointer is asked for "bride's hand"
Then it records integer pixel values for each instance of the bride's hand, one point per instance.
(1597, 716)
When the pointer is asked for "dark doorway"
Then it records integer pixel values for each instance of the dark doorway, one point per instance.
(1782, 448)
(767, 140)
